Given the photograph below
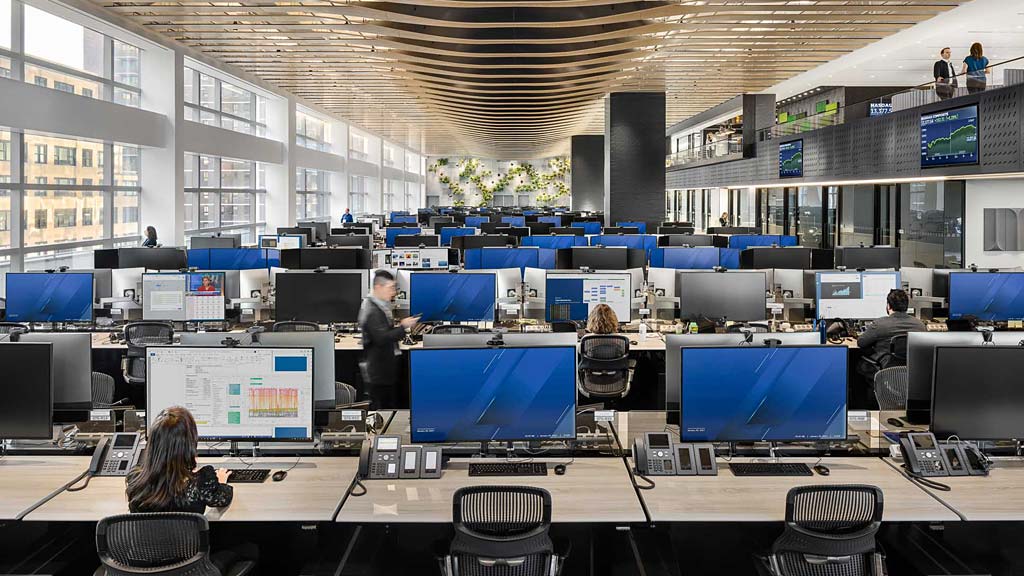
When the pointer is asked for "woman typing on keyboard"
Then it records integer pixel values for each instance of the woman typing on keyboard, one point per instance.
(168, 480)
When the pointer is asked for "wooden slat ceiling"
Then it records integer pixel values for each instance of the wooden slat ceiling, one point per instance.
(517, 78)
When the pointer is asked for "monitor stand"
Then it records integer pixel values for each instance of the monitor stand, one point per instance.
(234, 451)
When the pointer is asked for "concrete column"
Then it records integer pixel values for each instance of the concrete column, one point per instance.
(587, 184)
(634, 157)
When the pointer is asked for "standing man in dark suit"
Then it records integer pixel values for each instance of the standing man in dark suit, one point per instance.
(874, 342)
(381, 354)
(945, 75)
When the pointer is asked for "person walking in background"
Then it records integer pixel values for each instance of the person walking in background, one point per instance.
(381, 354)
(150, 240)
(945, 75)
(976, 68)
(347, 217)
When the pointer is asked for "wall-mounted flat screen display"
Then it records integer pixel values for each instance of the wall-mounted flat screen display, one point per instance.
(950, 137)
(791, 159)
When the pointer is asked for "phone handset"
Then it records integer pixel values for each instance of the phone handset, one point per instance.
(113, 456)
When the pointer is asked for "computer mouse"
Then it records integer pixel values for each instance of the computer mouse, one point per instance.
(560, 469)
(822, 470)
(895, 422)
(633, 342)
(279, 475)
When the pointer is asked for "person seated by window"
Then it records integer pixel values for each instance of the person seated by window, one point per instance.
(602, 320)
(168, 479)
(151, 240)
(875, 340)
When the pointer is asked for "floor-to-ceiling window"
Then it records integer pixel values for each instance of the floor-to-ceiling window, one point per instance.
(224, 195)
(214, 101)
(932, 224)
(312, 193)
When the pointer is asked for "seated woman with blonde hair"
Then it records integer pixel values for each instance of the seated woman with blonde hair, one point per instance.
(602, 320)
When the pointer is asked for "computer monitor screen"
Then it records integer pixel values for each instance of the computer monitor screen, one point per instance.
(324, 297)
(920, 362)
(282, 242)
(235, 393)
(221, 241)
(321, 228)
(854, 295)
(704, 258)
(476, 221)
(502, 394)
(404, 219)
(344, 258)
(588, 227)
(737, 296)
(237, 259)
(855, 257)
(573, 296)
(555, 221)
(416, 240)
(447, 233)
(446, 297)
(27, 387)
(189, 297)
(977, 393)
(518, 221)
(640, 226)
(763, 394)
(950, 137)
(72, 367)
(791, 159)
(391, 233)
(497, 258)
(359, 240)
(424, 258)
(600, 258)
(308, 234)
(152, 258)
(43, 297)
(988, 296)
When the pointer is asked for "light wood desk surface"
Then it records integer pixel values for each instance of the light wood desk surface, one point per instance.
(591, 490)
(27, 480)
(310, 493)
(993, 498)
(729, 498)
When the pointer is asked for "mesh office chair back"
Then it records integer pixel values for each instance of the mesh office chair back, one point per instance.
(830, 531)
(891, 388)
(295, 326)
(605, 367)
(139, 335)
(344, 394)
(454, 329)
(102, 390)
(502, 531)
(166, 544)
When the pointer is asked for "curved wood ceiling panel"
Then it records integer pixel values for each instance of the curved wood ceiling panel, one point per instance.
(517, 78)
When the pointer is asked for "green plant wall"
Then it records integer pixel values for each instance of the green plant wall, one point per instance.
(467, 181)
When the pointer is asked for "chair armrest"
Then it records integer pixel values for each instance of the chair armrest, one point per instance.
(632, 363)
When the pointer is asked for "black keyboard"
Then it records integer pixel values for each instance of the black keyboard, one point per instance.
(770, 469)
(508, 469)
(249, 476)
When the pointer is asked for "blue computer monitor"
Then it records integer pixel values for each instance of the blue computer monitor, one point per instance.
(553, 242)
(763, 394)
(448, 233)
(988, 296)
(519, 221)
(390, 233)
(588, 227)
(43, 297)
(630, 224)
(853, 295)
(198, 258)
(729, 258)
(236, 259)
(403, 219)
(703, 258)
(447, 297)
(556, 220)
(476, 221)
(497, 258)
(501, 394)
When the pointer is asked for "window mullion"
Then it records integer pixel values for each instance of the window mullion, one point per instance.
(18, 40)
(108, 69)
(16, 221)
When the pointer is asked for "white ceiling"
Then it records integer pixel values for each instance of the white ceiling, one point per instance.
(906, 58)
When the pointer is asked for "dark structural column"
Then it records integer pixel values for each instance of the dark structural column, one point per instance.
(634, 157)
(588, 172)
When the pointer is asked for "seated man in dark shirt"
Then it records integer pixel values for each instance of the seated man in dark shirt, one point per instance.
(874, 342)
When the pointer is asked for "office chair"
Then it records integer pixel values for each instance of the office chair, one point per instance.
(501, 531)
(295, 326)
(605, 369)
(830, 531)
(344, 394)
(454, 329)
(164, 544)
(138, 336)
(891, 388)
(895, 356)
(102, 390)
(564, 326)
(12, 328)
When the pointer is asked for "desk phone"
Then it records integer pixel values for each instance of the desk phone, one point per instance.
(924, 456)
(656, 454)
(384, 458)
